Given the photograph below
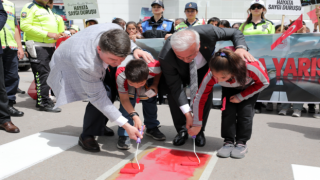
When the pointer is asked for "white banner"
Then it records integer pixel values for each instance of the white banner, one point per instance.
(81, 9)
(284, 7)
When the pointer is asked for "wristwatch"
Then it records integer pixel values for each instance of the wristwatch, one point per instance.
(136, 48)
(133, 114)
(243, 47)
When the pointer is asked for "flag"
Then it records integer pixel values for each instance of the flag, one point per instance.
(203, 22)
(292, 29)
(312, 15)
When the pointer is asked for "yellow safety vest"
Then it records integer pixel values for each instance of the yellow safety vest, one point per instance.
(60, 23)
(8, 31)
(36, 21)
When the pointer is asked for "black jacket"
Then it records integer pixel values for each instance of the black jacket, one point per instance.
(159, 29)
(176, 72)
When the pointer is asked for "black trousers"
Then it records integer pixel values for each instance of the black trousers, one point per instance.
(4, 113)
(41, 69)
(179, 119)
(11, 76)
(236, 123)
(94, 121)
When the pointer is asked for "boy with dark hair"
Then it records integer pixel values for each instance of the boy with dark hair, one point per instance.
(135, 80)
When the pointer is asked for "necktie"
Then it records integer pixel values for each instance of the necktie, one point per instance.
(193, 81)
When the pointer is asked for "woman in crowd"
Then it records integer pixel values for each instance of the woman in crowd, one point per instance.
(132, 30)
(255, 24)
(278, 29)
(191, 11)
(157, 26)
(236, 25)
(224, 24)
(214, 21)
(241, 83)
(120, 22)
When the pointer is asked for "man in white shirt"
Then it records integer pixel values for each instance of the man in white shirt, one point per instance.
(80, 71)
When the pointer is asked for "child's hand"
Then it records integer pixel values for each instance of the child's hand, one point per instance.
(233, 99)
(137, 122)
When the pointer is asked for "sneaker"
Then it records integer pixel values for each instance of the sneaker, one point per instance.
(239, 151)
(269, 107)
(283, 112)
(226, 149)
(317, 115)
(124, 143)
(296, 113)
(156, 134)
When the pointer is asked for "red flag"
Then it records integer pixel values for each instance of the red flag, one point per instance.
(203, 22)
(312, 15)
(292, 29)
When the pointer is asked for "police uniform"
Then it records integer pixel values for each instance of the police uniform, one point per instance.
(265, 26)
(37, 21)
(159, 29)
(186, 24)
(60, 23)
(10, 58)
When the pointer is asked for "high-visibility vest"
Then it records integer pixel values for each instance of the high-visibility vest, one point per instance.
(8, 31)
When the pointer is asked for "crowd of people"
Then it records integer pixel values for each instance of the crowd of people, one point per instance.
(110, 65)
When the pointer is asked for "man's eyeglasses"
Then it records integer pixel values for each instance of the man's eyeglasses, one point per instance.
(254, 7)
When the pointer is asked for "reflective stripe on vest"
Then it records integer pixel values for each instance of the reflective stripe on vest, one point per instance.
(8, 31)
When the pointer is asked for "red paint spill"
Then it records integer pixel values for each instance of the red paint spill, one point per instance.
(163, 163)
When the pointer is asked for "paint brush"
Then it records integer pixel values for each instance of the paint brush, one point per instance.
(194, 150)
(133, 171)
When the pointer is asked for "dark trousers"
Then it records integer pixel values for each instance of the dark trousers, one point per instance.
(11, 76)
(94, 121)
(179, 119)
(236, 123)
(41, 69)
(4, 113)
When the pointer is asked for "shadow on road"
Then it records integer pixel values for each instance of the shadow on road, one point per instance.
(309, 132)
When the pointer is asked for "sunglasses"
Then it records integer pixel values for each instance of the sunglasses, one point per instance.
(254, 7)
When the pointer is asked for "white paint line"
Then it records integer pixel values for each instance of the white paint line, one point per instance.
(212, 163)
(122, 163)
(275, 96)
(283, 96)
(301, 172)
(23, 153)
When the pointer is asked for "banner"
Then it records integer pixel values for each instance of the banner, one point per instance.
(146, 13)
(284, 7)
(293, 67)
(81, 9)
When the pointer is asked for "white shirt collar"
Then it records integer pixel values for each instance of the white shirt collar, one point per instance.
(105, 65)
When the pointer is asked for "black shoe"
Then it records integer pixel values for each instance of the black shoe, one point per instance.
(20, 91)
(124, 143)
(89, 144)
(312, 110)
(108, 131)
(180, 138)
(49, 108)
(156, 134)
(15, 112)
(200, 139)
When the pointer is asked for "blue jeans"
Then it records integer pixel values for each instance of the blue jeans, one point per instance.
(150, 114)
(294, 106)
(11, 76)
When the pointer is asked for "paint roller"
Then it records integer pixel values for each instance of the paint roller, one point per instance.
(194, 150)
(133, 171)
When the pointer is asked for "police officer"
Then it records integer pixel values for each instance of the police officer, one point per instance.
(39, 24)
(157, 26)
(12, 50)
(60, 22)
(191, 11)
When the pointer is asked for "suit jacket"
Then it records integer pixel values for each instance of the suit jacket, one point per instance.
(3, 20)
(176, 72)
(77, 72)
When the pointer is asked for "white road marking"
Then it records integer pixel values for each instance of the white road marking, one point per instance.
(279, 83)
(122, 163)
(275, 96)
(212, 163)
(301, 172)
(279, 96)
(283, 96)
(23, 153)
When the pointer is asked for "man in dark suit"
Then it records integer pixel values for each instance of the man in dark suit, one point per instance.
(5, 120)
(194, 46)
